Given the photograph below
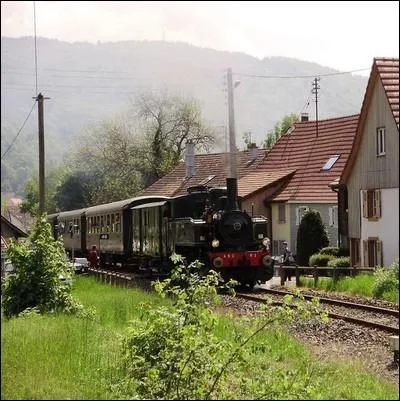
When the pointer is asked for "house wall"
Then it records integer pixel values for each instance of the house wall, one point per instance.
(369, 170)
(323, 209)
(386, 228)
(280, 231)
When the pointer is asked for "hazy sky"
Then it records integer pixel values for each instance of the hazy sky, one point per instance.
(344, 35)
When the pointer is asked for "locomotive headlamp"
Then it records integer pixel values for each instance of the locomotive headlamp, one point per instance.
(266, 241)
(215, 243)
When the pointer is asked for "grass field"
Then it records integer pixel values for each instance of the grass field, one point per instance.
(65, 357)
(361, 284)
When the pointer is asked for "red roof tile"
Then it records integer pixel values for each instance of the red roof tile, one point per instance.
(302, 150)
(256, 180)
(207, 166)
(387, 70)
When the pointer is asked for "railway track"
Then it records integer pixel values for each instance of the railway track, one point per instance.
(384, 319)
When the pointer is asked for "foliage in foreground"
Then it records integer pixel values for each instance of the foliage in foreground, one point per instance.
(387, 280)
(173, 353)
(36, 286)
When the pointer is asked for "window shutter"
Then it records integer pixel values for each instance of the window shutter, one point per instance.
(365, 254)
(379, 255)
(364, 203)
(331, 216)
(378, 207)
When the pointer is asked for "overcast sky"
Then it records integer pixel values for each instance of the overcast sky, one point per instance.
(344, 35)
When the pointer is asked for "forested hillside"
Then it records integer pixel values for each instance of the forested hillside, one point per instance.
(88, 83)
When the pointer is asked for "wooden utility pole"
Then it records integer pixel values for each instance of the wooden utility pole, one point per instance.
(315, 92)
(40, 99)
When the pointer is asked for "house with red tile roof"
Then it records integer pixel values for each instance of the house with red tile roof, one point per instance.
(315, 153)
(369, 184)
(282, 183)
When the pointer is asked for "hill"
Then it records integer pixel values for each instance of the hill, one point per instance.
(91, 82)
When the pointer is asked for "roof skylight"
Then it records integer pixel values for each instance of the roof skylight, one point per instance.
(332, 160)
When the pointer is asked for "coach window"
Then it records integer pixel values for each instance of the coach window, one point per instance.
(101, 223)
(117, 223)
(108, 223)
(112, 222)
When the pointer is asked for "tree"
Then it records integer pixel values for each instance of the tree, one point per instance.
(39, 262)
(167, 123)
(280, 129)
(109, 159)
(311, 237)
(54, 178)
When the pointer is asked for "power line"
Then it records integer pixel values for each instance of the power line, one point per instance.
(20, 130)
(300, 76)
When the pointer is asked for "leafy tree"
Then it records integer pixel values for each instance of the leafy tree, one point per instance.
(39, 262)
(54, 178)
(280, 129)
(109, 161)
(167, 123)
(311, 237)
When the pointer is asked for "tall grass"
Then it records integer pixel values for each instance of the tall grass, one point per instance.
(65, 357)
(361, 284)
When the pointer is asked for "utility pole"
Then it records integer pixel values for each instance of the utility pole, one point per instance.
(40, 99)
(315, 91)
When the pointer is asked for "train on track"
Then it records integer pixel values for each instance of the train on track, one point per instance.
(140, 234)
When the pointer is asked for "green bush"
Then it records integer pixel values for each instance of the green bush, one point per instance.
(39, 262)
(339, 262)
(319, 260)
(330, 250)
(172, 354)
(311, 237)
(387, 280)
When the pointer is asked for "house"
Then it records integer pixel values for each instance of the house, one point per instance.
(369, 184)
(315, 152)
(280, 184)
(11, 227)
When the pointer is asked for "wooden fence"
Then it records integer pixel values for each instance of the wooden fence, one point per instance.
(316, 272)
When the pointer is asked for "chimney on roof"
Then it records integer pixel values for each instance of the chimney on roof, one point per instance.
(253, 151)
(189, 158)
(304, 117)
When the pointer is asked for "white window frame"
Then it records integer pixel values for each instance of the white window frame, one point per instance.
(380, 141)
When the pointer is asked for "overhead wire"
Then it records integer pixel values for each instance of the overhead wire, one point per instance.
(19, 131)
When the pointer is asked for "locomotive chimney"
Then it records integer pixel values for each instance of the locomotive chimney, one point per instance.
(232, 201)
(189, 158)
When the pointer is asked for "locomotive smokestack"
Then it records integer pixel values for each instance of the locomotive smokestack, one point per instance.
(232, 198)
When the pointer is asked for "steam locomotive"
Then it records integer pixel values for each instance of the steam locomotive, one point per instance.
(142, 233)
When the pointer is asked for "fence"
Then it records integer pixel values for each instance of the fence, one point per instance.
(316, 272)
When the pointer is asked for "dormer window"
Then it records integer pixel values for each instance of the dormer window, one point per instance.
(332, 160)
(380, 141)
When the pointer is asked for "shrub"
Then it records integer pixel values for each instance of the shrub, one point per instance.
(39, 262)
(174, 354)
(387, 280)
(330, 250)
(311, 237)
(319, 260)
(339, 262)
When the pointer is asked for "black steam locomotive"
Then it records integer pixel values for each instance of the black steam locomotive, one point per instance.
(143, 232)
